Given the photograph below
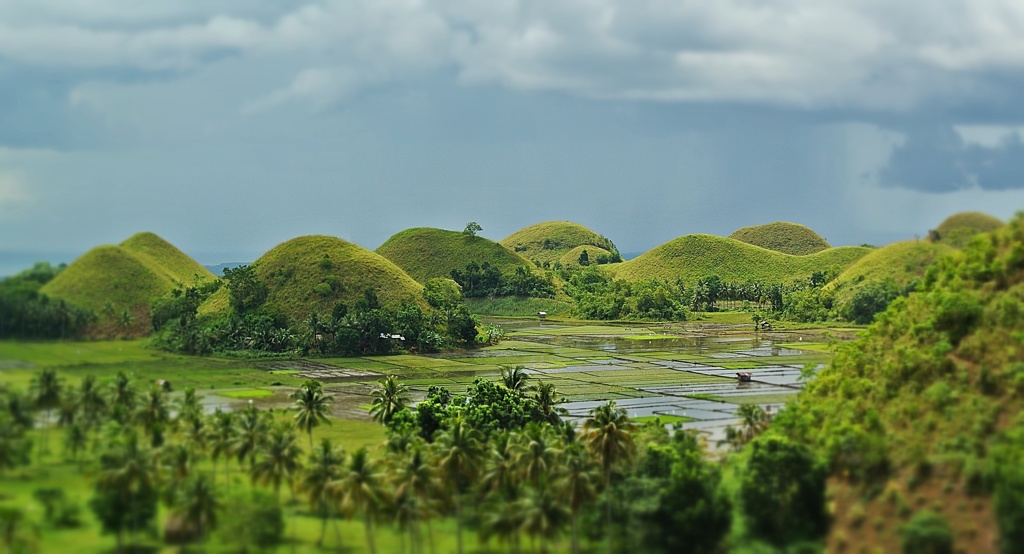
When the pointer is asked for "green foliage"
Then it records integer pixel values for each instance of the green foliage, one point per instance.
(472, 228)
(442, 293)
(868, 301)
(926, 533)
(781, 236)
(479, 280)
(58, 509)
(256, 520)
(958, 229)
(782, 492)
(247, 291)
(597, 296)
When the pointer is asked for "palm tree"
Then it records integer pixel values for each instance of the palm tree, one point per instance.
(324, 468)
(278, 459)
(608, 435)
(311, 406)
(415, 487)
(46, 395)
(536, 455)
(459, 455)
(196, 502)
(502, 483)
(543, 514)
(361, 489)
(222, 437)
(127, 476)
(389, 397)
(548, 401)
(122, 398)
(153, 415)
(19, 408)
(515, 378)
(175, 467)
(250, 428)
(195, 435)
(90, 401)
(188, 405)
(76, 438)
(576, 483)
(755, 421)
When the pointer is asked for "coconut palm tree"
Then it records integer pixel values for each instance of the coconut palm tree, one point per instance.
(196, 503)
(415, 488)
(188, 406)
(19, 408)
(755, 421)
(536, 454)
(501, 482)
(608, 436)
(76, 438)
(196, 435)
(153, 414)
(577, 483)
(174, 468)
(122, 398)
(311, 407)
(515, 378)
(250, 431)
(361, 489)
(278, 459)
(324, 468)
(543, 514)
(548, 401)
(46, 395)
(459, 454)
(91, 404)
(222, 434)
(126, 486)
(389, 396)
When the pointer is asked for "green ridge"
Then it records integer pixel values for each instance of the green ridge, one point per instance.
(926, 406)
(294, 269)
(693, 257)
(782, 236)
(958, 229)
(127, 275)
(899, 263)
(549, 241)
(425, 253)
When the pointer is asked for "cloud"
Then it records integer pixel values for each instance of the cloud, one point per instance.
(14, 194)
(798, 54)
(936, 158)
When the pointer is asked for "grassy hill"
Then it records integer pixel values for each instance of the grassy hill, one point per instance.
(549, 241)
(958, 229)
(572, 257)
(900, 263)
(128, 275)
(693, 257)
(923, 413)
(782, 236)
(313, 273)
(425, 253)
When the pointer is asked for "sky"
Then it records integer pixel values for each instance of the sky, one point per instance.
(229, 126)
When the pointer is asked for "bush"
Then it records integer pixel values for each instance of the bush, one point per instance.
(926, 533)
(255, 520)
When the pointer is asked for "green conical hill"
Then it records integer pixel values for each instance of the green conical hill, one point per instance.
(111, 274)
(313, 273)
(958, 229)
(692, 257)
(924, 411)
(174, 263)
(572, 257)
(425, 253)
(782, 236)
(549, 241)
(899, 263)
(128, 276)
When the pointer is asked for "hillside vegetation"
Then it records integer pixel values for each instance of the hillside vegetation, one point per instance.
(919, 421)
(693, 257)
(899, 264)
(314, 273)
(782, 236)
(547, 242)
(958, 229)
(572, 257)
(126, 276)
(426, 253)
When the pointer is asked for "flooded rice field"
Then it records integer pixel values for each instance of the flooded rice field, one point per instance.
(677, 373)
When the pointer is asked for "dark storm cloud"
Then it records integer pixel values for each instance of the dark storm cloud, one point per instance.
(935, 158)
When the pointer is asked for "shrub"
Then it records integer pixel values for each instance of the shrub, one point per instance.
(926, 533)
(256, 520)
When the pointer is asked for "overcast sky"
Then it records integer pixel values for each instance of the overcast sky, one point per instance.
(228, 126)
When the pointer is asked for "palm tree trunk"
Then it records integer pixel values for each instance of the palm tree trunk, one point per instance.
(608, 506)
(458, 523)
(575, 534)
(369, 532)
